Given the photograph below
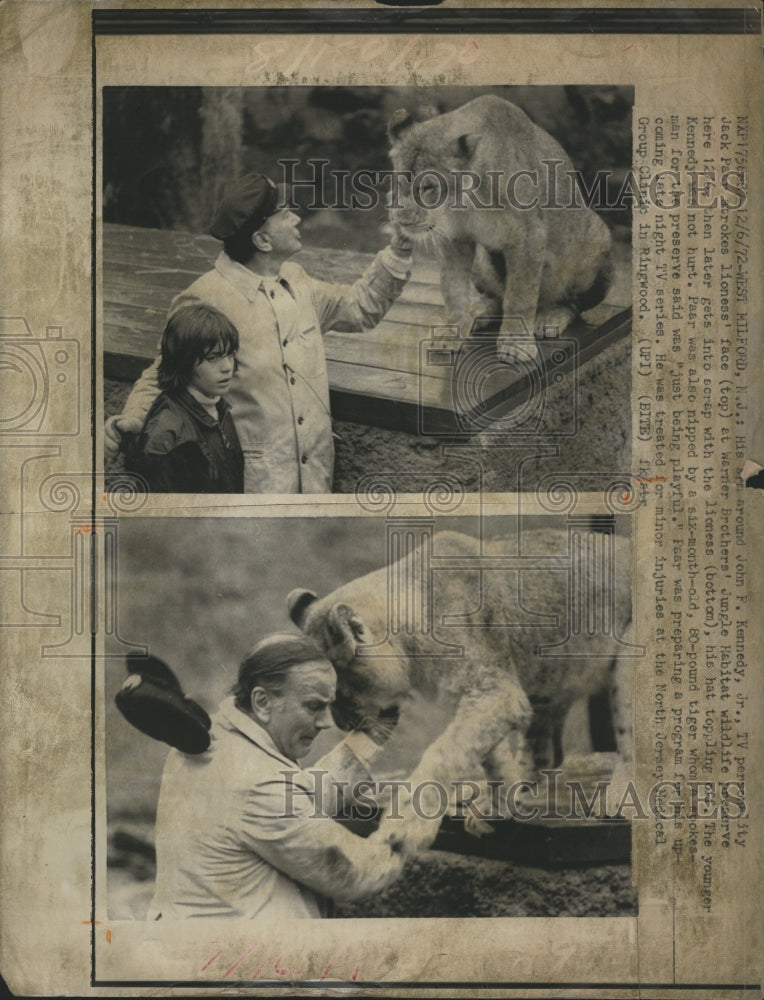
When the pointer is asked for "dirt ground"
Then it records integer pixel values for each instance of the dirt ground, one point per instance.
(441, 884)
(435, 884)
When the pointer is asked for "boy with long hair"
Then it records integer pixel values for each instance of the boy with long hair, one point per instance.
(189, 443)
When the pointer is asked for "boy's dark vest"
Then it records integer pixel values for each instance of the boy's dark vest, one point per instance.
(183, 449)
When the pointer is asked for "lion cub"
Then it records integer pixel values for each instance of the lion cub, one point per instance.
(505, 218)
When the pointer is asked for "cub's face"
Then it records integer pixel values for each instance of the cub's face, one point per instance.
(370, 691)
(372, 680)
(426, 204)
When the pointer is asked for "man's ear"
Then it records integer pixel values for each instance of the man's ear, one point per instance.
(260, 701)
(261, 242)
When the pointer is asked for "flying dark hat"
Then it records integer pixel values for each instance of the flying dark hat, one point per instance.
(249, 200)
(152, 700)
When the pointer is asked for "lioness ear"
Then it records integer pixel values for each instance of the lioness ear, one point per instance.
(466, 145)
(400, 121)
(298, 603)
(346, 631)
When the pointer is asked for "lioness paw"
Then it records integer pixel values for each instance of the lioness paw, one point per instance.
(419, 835)
(553, 323)
(477, 827)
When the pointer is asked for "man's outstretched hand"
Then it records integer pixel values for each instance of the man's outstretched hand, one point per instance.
(114, 430)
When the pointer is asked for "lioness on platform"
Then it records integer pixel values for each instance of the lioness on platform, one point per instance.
(477, 641)
(534, 259)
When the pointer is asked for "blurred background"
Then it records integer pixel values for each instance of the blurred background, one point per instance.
(168, 151)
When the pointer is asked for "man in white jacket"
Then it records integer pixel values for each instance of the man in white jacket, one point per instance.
(280, 393)
(241, 830)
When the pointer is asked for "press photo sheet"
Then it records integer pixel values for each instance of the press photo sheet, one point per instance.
(534, 561)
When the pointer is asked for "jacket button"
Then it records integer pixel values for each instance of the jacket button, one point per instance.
(304, 459)
(301, 420)
(292, 380)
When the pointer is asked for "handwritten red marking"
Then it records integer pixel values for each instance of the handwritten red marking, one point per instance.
(329, 967)
(211, 960)
(566, 953)
(108, 937)
(475, 45)
(89, 922)
(333, 963)
(238, 962)
(404, 52)
(258, 970)
(284, 971)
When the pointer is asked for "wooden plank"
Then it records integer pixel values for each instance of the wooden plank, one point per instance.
(545, 843)
(432, 388)
(137, 344)
(401, 398)
(155, 277)
(165, 283)
(398, 354)
(144, 320)
(123, 367)
(407, 352)
(125, 246)
(562, 837)
(432, 407)
(135, 331)
(149, 310)
(381, 377)
(364, 386)
(158, 276)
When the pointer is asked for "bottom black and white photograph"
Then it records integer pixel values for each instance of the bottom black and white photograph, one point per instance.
(346, 717)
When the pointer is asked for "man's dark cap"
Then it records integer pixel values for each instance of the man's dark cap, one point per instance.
(250, 200)
(152, 700)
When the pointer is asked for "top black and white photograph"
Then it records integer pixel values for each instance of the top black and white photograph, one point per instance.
(315, 289)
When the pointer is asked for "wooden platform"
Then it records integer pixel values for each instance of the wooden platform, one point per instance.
(397, 376)
(559, 831)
